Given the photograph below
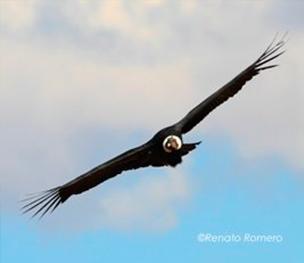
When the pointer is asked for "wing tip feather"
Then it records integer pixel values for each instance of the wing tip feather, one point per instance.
(42, 202)
(273, 51)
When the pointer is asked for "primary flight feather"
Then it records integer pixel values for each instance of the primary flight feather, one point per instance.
(165, 148)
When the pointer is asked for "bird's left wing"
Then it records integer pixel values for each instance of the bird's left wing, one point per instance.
(231, 88)
(50, 199)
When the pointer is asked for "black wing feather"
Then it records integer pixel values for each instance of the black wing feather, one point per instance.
(49, 200)
(197, 114)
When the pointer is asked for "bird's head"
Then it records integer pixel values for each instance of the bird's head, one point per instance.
(172, 143)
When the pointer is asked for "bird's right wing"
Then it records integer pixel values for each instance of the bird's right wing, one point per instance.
(231, 88)
(50, 199)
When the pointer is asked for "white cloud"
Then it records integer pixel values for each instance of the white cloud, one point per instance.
(150, 204)
(127, 18)
(55, 75)
(188, 7)
(18, 15)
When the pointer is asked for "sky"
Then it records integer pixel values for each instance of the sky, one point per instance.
(82, 81)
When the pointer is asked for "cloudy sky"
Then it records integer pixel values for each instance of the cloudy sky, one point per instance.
(81, 81)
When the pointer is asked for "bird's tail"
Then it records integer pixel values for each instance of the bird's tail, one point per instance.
(188, 147)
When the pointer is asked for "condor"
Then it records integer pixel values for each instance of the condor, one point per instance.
(165, 148)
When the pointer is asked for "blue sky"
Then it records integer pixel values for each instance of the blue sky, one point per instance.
(84, 81)
(232, 206)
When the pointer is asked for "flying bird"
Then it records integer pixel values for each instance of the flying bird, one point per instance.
(165, 148)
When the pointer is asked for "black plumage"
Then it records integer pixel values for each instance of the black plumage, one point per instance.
(165, 148)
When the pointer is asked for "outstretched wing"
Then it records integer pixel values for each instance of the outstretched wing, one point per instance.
(197, 114)
(50, 199)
